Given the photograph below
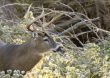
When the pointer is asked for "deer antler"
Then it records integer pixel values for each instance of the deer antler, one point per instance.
(42, 15)
(42, 23)
(54, 19)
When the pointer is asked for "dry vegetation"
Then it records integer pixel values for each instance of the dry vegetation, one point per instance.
(81, 26)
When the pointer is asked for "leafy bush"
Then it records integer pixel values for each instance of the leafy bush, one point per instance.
(91, 61)
(88, 62)
(16, 74)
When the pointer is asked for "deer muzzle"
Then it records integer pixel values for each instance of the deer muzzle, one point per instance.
(58, 49)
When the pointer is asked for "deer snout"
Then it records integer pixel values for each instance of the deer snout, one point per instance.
(58, 49)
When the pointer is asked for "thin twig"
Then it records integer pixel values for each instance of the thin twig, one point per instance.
(20, 4)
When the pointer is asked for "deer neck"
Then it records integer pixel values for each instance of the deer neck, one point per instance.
(28, 53)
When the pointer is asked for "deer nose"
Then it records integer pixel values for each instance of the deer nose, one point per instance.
(59, 49)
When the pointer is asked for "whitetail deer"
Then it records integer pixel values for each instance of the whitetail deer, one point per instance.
(25, 56)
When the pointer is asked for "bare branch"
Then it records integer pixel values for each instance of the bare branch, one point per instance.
(82, 23)
(20, 4)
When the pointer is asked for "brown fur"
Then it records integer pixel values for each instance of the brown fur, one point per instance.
(24, 56)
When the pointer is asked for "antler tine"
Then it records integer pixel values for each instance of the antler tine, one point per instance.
(40, 16)
(54, 19)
